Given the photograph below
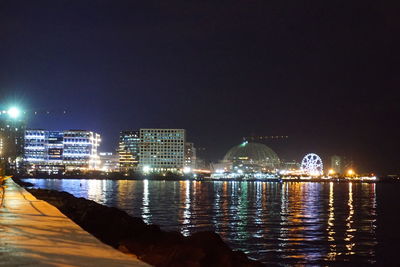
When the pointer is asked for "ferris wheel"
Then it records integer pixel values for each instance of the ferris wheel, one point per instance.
(312, 164)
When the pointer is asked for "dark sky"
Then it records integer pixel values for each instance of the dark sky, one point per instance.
(326, 73)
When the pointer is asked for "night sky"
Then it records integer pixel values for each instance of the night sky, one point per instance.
(324, 73)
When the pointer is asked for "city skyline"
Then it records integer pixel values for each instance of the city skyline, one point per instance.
(220, 71)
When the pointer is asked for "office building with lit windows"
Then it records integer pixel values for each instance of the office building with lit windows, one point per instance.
(128, 150)
(80, 150)
(43, 151)
(36, 146)
(57, 151)
(190, 156)
(162, 150)
(109, 162)
(55, 147)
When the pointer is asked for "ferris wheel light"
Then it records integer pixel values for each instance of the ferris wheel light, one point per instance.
(312, 165)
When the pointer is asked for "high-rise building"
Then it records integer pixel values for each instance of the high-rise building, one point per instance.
(12, 130)
(162, 150)
(128, 150)
(55, 151)
(190, 155)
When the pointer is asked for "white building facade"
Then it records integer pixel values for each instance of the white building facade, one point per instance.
(162, 150)
(80, 150)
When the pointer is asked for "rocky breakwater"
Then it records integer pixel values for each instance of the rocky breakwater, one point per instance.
(151, 244)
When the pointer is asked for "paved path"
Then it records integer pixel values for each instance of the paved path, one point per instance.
(35, 233)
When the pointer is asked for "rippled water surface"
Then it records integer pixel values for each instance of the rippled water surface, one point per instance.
(278, 223)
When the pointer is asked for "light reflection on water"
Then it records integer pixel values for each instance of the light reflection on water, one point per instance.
(281, 223)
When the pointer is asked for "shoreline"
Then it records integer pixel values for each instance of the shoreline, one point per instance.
(149, 243)
(163, 178)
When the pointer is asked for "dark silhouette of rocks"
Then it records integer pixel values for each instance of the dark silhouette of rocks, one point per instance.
(152, 245)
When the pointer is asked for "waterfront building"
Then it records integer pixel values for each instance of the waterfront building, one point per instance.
(190, 156)
(43, 151)
(290, 165)
(80, 150)
(162, 150)
(12, 130)
(35, 146)
(250, 158)
(109, 162)
(57, 151)
(128, 150)
(55, 147)
(202, 163)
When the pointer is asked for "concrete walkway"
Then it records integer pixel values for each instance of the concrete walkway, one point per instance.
(34, 233)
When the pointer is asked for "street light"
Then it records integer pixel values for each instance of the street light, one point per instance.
(13, 112)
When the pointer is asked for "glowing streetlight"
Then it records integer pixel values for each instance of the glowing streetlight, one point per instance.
(13, 112)
(350, 172)
(331, 172)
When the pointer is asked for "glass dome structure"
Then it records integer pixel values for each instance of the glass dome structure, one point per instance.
(254, 154)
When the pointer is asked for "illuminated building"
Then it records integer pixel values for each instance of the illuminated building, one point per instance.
(43, 151)
(128, 150)
(290, 165)
(162, 150)
(80, 150)
(337, 164)
(190, 156)
(12, 129)
(35, 146)
(57, 151)
(55, 147)
(251, 157)
(109, 162)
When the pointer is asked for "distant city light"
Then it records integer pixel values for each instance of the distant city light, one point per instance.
(331, 172)
(187, 170)
(14, 112)
(219, 171)
(146, 169)
(350, 172)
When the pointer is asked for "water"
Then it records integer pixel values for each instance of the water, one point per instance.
(276, 223)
